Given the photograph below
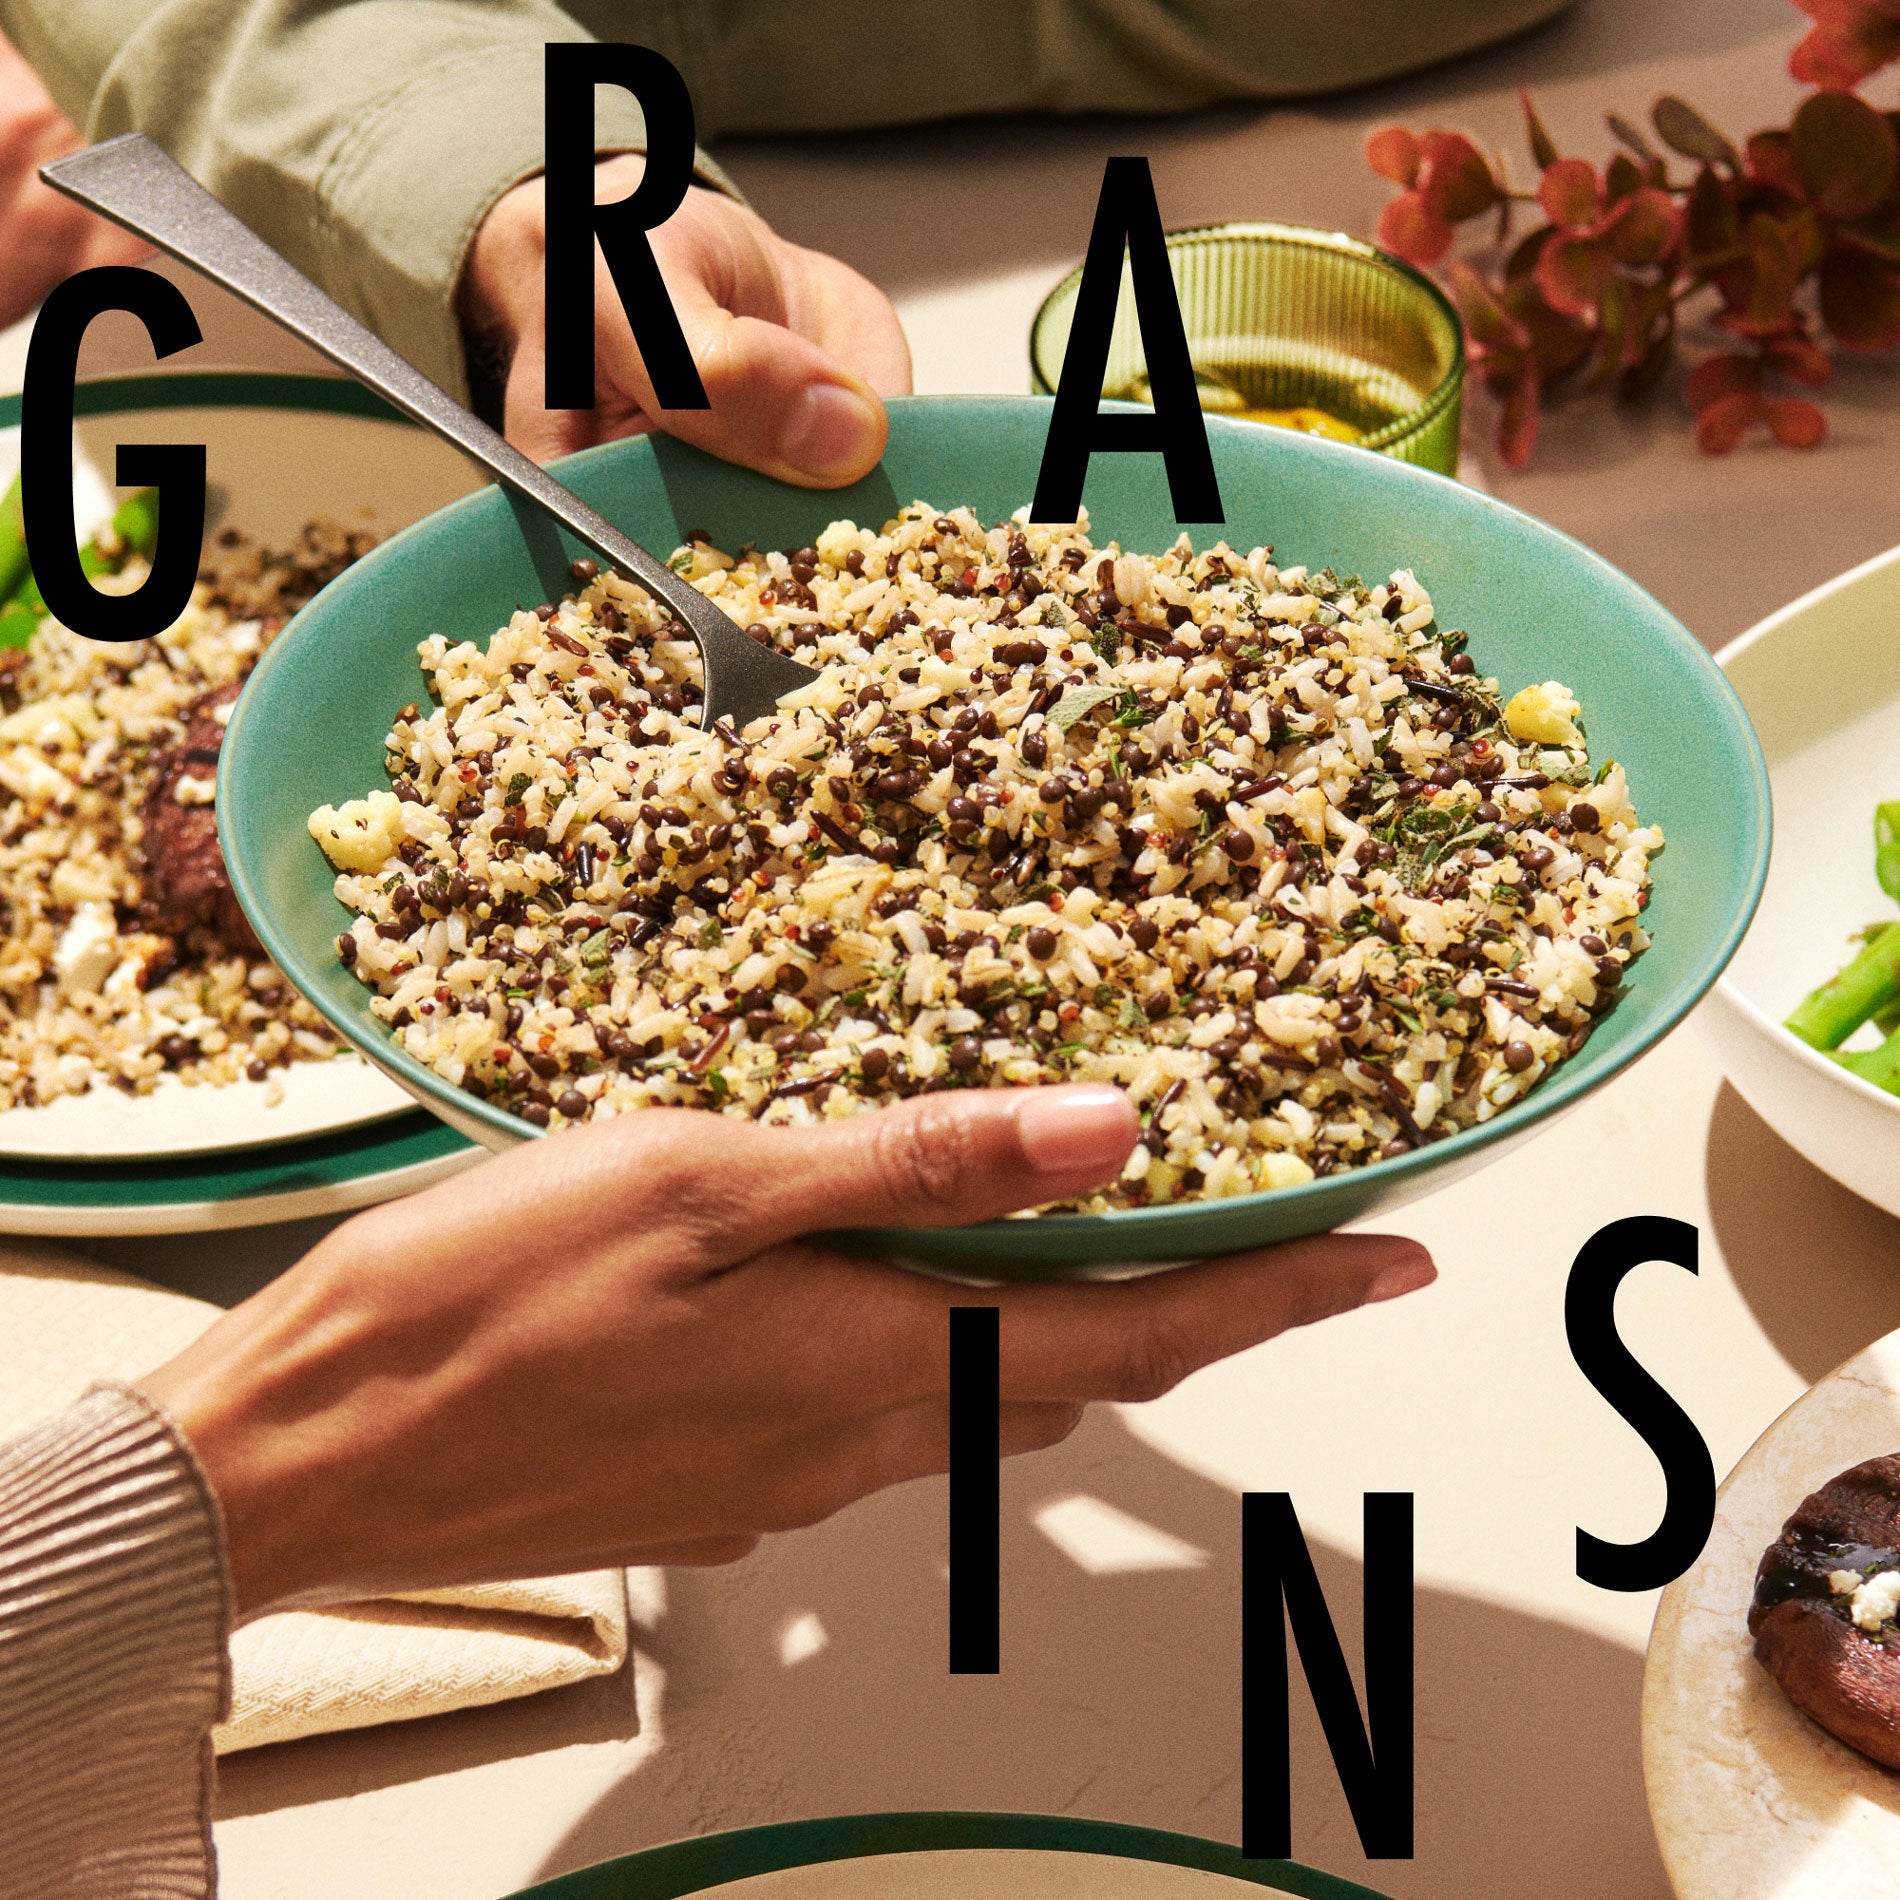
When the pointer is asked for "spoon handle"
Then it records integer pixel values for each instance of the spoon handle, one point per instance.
(138, 185)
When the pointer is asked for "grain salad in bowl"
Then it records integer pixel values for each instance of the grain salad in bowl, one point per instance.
(1261, 845)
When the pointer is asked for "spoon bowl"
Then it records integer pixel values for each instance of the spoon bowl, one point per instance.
(138, 185)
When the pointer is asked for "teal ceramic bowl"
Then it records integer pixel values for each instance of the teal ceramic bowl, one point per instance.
(944, 1857)
(309, 730)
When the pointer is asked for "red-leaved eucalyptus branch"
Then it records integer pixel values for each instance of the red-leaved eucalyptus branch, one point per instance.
(1794, 237)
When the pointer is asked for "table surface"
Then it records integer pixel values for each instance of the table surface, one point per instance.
(811, 1678)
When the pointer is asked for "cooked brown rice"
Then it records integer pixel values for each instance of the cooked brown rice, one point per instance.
(1259, 845)
(91, 991)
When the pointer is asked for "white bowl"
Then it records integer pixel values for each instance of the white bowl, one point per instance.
(1821, 681)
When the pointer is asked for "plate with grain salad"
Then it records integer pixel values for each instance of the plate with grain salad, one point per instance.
(141, 1022)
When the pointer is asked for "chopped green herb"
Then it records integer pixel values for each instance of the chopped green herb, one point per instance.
(1077, 701)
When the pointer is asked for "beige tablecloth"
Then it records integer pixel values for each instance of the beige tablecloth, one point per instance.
(64, 1324)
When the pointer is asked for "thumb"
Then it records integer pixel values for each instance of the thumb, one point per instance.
(934, 1161)
(779, 402)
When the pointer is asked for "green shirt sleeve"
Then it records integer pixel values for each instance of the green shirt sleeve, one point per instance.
(365, 140)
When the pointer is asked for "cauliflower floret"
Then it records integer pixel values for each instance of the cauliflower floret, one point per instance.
(1544, 715)
(361, 835)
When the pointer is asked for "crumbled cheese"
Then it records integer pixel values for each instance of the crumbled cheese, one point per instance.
(1875, 1601)
(1544, 715)
(88, 949)
(196, 791)
(24, 773)
(77, 881)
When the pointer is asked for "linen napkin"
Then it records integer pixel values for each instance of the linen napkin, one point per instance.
(65, 1324)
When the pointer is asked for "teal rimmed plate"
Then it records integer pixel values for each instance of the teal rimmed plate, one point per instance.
(280, 449)
(310, 731)
(944, 1857)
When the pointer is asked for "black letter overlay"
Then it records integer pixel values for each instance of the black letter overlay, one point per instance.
(573, 70)
(1373, 1761)
(975, 1446)
(1609, 1365)
(176, 470)
(1127, 213)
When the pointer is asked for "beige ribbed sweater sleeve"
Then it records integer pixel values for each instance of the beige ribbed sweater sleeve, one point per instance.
(114, 1610)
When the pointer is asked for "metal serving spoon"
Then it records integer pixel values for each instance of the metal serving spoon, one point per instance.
(135, 183)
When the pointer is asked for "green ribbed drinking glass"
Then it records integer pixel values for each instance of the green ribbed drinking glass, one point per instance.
(1284, 317)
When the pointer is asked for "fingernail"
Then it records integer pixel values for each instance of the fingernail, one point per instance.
(1404, 1276)
(831, 434)
(1086, 1130)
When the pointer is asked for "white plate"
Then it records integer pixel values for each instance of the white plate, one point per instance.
(280, 450)
(1821, 681)
(993, 1873)
(1751, 1800)
(107, 1124)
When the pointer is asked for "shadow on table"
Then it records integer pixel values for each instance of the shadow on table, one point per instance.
(1118, 1697)
(1818, 1266)
(866, 197)
(223, 1268)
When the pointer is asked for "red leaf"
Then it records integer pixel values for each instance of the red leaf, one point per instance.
(1774, 277)
(1860, 300)
(1570, 194)
(1572, 273)
(1621, 177)
(1879, 234)
(1517, 425)
(1806, 239)
(1652, 341)
(1613, 319)
(1846, 154)
(1683, 129)
(1453, 178)
(1392, 152)
(1646, 228)
(1723, 424)
(1849, 41)
(1408, 230)
(1489, 327)
(1797, 423)
(1718, 377)
(1523, 259)
(1771, 162)
(1799, 360)
(1543, 146)
(1715, 228)
(1559, 341)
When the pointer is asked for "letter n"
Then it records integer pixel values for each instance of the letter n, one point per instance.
(1373, 1757)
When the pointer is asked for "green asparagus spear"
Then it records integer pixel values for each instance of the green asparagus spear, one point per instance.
(1880, 1066)
(134, 531)
(13, 565)
(1887, 848)
(1829, 1015)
